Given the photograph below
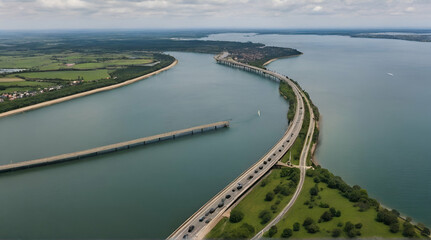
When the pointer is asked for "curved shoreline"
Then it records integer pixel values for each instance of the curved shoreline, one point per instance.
(272, 60)
(86, 93)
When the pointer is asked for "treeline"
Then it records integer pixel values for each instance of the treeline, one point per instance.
(165, 60)
(361, 199)
(287, 91)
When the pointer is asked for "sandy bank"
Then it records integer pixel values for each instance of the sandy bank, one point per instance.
(78, 95)
(272, 60)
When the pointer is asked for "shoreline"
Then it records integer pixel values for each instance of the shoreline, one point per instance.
(274, 59)
(86, 93)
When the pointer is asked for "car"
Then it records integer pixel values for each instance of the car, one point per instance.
(212, 210)
(279, 150)
(185, 236)
(239, 187)
(227, 196)
(256, 171)
(191, 228)
(261, 167)
(282, 145)
(201, 219)
(264, 162)
(273, 154)
(208, 213)
(288, 141)
(250, 177)
(220, 204)
(208, 220)
(233, 190)
(269, 159)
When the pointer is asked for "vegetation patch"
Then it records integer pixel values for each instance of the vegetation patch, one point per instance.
(329, 208)
(257, 209)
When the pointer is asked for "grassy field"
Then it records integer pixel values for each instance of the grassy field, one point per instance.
(8, 80)
(23, 86)
(65, 75)
(254, 203)
(299, 212)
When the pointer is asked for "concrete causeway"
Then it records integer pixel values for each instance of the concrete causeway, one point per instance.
(113, 147)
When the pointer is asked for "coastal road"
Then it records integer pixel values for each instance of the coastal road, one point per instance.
(303, 169)
(202, 221)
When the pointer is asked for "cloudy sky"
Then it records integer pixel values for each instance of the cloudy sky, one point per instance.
(79, 14)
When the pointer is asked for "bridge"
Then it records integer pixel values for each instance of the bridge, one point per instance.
(113, 147)
(203, 220)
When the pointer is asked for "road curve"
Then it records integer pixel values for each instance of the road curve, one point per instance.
(303, 169)
(202, 221)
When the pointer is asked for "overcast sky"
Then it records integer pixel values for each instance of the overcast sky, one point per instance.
(144, 14)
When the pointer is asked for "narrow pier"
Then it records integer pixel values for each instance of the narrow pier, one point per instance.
(113, 147)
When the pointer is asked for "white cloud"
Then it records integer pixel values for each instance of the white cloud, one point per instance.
(63, 4)
(317, 9)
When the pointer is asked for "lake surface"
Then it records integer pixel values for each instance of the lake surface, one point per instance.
(145, 192)
(374, 96)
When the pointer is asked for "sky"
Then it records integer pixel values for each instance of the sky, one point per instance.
(171, 14)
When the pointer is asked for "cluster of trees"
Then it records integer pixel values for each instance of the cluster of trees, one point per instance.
(242, 232)
(354, 194)
(282, 189)
(329, 215)
(236, 216)
(310, 225)
(286, 90)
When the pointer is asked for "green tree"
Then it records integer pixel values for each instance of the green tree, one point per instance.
(425, 232)
(348, 226)
(307, 222)
(269, 196)
(312, 228)
(265, 216)
(336, 232)
(296, 226)
(287, 233)
(394, 227)
(326, 216)
(272, 231)
(236, 216)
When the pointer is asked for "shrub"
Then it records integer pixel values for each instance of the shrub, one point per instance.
(272, 231)
(314, 191)
(387, 217)
(313, 228)
(236, 216)
(326, 216)
(265, 216)
(394, 227)
(336, 232)
(269, 196)
(296, 226)
(332, 210)
(348, 226)
(324, 205)
(409, 230)
(338, 213)
(358, 225)
(307, 222)
(425, 232)
(287, 233)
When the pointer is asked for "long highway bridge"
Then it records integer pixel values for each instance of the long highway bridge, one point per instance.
(113, 147)
(204, 219)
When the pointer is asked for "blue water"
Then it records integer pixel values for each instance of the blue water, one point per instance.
(375, 126)
(146, 192)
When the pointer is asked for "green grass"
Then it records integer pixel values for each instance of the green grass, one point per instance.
(23, 86)
(300, 211)
(66, 75)
(254, 203)
(24, 62)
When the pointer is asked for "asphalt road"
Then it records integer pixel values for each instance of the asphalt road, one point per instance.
(202, 221)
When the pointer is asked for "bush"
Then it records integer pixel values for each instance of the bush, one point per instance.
(353, 233)
(324, 205)
(236, 216)
(307, 222)
(336, 232)
(326, 216)
(338, 213)
(296, 226)
(287, 233)
(313, 228)
(348, 226)
(358, 225)
(269, 196)
(387, 217)
(272, 231)
(265, 216)
(409, 230)
(333, 211)
(244, 231)
(425, 232)
(314, 191)
(394, 227)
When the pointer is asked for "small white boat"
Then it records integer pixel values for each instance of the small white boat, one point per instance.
(390, 74)
(258, 112)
